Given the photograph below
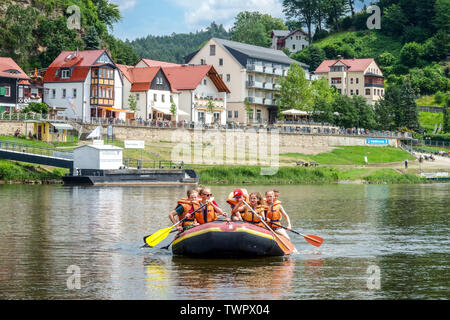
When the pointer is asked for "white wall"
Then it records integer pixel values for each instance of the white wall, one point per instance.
(87, 157)
(61, 102)
(298, 43)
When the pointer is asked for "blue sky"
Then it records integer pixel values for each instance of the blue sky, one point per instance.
(163, 17)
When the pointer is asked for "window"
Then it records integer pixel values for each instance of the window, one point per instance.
(339, 90)
(63, 93)
(221, 76)
(293, 47)
(8, 91)
(163, 98)
(137, 96)
(336, 80)
(74, 93)
(357, 80)
(228, 78)
(357, 92)
(236, 114)
(212, 50)
(351, 92)
(204, 82)
(367, 92)
(230, 114)
(202, 62)
(351, 81)
(65, 74)
(220, 62)
(258, 115)
(155, 97)
(171, 98)
(159, 80)
(303, 46)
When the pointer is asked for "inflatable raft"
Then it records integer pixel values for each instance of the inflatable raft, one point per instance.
(222, 239)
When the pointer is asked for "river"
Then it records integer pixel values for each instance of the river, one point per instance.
(381, 242)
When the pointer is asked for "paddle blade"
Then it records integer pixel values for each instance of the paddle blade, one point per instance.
(314, 240)
(155, 238)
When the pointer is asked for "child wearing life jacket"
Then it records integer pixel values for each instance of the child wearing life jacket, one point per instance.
(235, 200)
(256, 203)
(210, 211)
(184, 208)
(275, 213)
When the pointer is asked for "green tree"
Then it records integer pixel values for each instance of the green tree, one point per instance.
(91, 39)
(295, 91)
(255, 28)
(409, 107)
(446, 111)
(347, 114)
(173, 109)
(132, 103)
(317, 55)
(442, 15)
(393, 20)
(366, 115)
(410, 54)
(248, 109)
(335, 10)
(303, 11)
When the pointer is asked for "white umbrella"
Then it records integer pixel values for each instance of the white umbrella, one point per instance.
(294, 112)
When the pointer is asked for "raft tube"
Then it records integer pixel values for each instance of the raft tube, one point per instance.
(221, 239)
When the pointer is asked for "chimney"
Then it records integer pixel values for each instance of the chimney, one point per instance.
(339, 57)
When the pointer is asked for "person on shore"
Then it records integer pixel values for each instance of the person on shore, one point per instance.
(235, 200)
(209, 212)
(275, 213)
(184, 209)
(247, 215)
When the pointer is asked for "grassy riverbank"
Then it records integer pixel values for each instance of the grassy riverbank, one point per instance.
(299, 175)
(16, 172)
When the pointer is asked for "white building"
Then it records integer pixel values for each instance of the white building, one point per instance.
(97, 157)
(86, 84)
(294, 41)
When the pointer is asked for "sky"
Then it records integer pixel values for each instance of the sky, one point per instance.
(164, 17)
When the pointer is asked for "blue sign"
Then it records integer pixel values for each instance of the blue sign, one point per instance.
(378, 142)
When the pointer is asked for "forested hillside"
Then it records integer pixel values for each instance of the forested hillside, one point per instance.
(174, 47)
(34, 32)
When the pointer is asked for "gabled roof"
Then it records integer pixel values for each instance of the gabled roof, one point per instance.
(354, 65)
(156, 63)
(280, 33)
(189, 77)
(242, 51)
(10, 69)
(140, 78)
(296, 31)
(79, 61)
(84, 58)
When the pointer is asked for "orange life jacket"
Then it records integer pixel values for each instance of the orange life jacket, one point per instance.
(188, 206)
(250, 217)
(274, 214)
(208, 211)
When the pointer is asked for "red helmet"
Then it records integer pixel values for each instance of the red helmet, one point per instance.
(237, 193)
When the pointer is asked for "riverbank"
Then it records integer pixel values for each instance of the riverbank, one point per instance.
(305, 176)
(15, 172)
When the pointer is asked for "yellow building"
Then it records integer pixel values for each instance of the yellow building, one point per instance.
(51, 131)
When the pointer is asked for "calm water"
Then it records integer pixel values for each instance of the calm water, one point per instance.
(402, 230)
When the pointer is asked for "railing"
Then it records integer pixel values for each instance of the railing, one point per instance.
(431, 143)
(153, 164)
(25, 148)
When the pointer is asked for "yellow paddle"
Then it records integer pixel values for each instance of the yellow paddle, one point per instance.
(155, 238)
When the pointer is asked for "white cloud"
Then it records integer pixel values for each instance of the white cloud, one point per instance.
(200, 13)
(125, 4)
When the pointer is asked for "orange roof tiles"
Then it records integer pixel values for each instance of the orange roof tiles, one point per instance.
(9, 64)
(156, 63)
(357, 65)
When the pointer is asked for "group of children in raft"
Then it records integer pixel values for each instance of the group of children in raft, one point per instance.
(269, 209)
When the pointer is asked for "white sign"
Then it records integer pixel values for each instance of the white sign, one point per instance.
(134, 144)
(98, 143)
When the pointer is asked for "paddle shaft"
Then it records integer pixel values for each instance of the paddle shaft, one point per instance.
(267, 226)
(301, 234)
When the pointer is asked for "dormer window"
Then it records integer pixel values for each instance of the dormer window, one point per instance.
(65, 74)
(12, 71)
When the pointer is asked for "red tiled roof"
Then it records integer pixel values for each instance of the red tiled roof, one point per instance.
(189, 77)
(140, 78)
(126, 70)
(85, 58)
(156, 63)
(355, 65)
(79, 74)
(80, 62)
(9, 64)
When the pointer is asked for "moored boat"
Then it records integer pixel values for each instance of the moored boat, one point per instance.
(223, 239)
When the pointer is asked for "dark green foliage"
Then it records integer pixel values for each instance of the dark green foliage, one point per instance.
(175, 47)
(91, 39)
(37, 107)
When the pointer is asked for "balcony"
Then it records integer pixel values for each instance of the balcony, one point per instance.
(254, 84)
(256, 100)
(203, 101)
(267, 69)
(268, 85)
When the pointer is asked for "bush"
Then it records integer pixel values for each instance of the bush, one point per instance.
(410, 54)
(320, 34)
(439, 97)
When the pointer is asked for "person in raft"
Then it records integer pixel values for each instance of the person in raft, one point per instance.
(236, 201)
(275, 213)
(184, 208)
(210, 211)
(247, 215)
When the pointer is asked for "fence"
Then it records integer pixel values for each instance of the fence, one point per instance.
(152, 164)
(33, 149)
